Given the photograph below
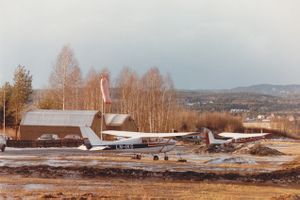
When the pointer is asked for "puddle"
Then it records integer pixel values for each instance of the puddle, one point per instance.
(4, 187)
(37, 186)
(236, 160)
(61, 163)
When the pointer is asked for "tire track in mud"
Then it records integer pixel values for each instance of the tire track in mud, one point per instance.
(287, 176)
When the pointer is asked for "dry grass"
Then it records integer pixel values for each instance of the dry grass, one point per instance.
(217, 121)
(220, 122)
(9, 132)
(287, 147)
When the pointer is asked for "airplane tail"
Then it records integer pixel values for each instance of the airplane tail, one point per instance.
(87, 132)
(210, 138)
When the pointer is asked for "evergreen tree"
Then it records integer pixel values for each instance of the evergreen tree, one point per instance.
(21, 91)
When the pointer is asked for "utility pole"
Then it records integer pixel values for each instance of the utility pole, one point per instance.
(102, 112)
(4, 108)
(64, 85)
(76, 97)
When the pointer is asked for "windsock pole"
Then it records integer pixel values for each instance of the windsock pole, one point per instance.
(102, 119)
(102, 111)
(4, 108)
(104, 86)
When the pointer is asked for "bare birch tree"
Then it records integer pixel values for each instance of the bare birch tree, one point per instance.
(65, 80)
(127, 86)
(150, 99)
(92, 91)
(73, 89)
(91, 88)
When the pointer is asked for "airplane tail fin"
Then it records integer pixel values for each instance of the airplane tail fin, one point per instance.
(87, 132)
(210, 138)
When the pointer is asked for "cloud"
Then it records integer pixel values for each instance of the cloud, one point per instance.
(203, 43)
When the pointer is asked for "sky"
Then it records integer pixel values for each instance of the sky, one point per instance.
(202, 44)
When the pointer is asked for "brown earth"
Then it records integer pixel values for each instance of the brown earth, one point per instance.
(286, 176)
(287, 197)
(19, 187)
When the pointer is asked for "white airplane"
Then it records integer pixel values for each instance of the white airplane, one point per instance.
(133, 142)
(234, 137)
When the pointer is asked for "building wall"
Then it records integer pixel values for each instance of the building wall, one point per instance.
(96, 125)
(128, 125)
(33, 132)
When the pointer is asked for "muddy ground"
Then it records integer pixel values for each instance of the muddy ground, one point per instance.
(70, 173)
(16, 187)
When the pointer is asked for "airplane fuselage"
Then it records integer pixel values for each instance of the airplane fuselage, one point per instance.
(250, 139)
(138, 145)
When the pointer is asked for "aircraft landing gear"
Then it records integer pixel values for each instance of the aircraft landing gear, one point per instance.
(166, 157)
(2, 148)
(181, 159)
(137, 157)
(155, 157)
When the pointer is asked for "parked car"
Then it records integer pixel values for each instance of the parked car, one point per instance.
(72, 137)
(48, 137)
(2, 142)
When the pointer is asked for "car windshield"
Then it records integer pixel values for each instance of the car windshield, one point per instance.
(72, 137)
(46, 136)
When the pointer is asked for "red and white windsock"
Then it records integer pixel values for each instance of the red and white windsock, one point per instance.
(105, 89)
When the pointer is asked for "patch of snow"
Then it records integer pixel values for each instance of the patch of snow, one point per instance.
(234, 160)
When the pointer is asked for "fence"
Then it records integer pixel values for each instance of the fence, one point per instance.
(44, 143)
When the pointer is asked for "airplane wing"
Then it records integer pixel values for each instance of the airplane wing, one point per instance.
(242, 135)
(129, 134)
(97, 148)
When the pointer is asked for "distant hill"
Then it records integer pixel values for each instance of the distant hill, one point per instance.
(269, 89)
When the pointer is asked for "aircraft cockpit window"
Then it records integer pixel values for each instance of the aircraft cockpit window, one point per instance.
(151, 140)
